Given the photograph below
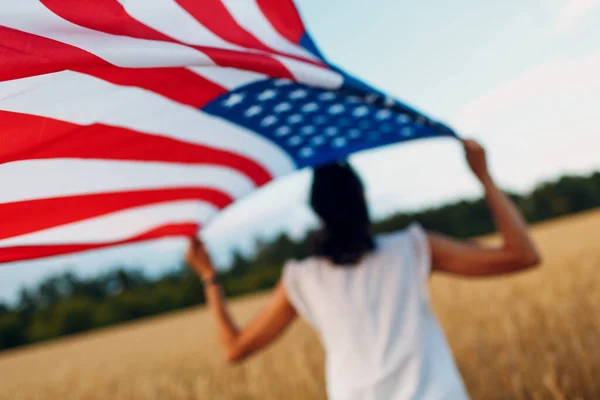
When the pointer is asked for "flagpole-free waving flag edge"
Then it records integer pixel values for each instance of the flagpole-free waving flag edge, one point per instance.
(127, 121)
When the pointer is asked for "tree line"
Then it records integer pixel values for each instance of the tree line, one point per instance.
(67, 304)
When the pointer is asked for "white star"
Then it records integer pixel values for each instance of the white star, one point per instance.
(336, 109)
(252, 111)
(317, 140)
(360, 111)
(403, 118)
(339, 142)
(407, 131)
(233, 100)
(388, 102)
(331, 131)
(283, 131)
(269, 120)
(383, 114)
(308, 130)
(296, 118)
(310, 107)
(267, 95)
(371, 98)
(326, 96)
(282, 107)
(421, 120)
(295, 141)
(353, 99)
(298, 94)
(282, 82)
(306, 152)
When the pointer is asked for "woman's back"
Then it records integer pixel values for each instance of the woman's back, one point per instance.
(381, 338)
(373, 314)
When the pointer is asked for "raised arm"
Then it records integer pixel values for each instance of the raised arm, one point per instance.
(263, 329)
(517, 252)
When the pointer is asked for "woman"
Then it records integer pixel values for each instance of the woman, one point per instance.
(367, 296)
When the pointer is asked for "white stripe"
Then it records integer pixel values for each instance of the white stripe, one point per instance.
(85, 100)
(168, 17)
(229, 78)
(33, 17)
(307, 73)
(47, 178)
(118, 226)
(311, 74)
(248, 15)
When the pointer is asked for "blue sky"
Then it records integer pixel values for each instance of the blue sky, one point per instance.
(521, 76)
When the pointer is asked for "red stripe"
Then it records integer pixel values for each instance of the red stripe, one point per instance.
(215, 16)
(249, 61)
(24, 217)
(107, 16)
(179, 84)
(21, 253)
(25, 136)
(284, 17)
(27, 55)
(17, 64)
(110, 17)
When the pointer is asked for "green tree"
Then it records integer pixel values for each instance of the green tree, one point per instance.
(276, 252)
(240, 265)
(12, 332)
(68, 304)
(73, 315)
(128, 280)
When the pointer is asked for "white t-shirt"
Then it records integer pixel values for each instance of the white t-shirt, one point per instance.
(381, 338)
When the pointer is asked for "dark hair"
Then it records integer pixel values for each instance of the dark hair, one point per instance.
(338, 198)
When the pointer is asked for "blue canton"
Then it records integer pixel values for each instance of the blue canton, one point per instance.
(317, 126)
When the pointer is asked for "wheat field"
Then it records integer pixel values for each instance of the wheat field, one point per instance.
(531, 336)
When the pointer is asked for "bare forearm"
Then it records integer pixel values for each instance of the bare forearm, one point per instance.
(227, 331)
(509, 221)
(262, 330)
(518, 252)
(237, 343)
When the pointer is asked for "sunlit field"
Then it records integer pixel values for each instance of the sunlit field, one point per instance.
(531, 336)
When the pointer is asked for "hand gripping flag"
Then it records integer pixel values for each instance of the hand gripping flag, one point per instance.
(131, 120)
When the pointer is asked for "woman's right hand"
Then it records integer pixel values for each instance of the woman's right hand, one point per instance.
(198, 258)
(476, 158)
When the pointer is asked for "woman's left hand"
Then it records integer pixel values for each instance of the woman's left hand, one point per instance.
(199, 259)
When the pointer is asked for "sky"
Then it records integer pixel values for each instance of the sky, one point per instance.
(521, 76)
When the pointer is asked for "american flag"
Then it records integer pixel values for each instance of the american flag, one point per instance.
(131, 120)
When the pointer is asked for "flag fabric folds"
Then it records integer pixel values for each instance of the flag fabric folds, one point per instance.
(130, 120)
